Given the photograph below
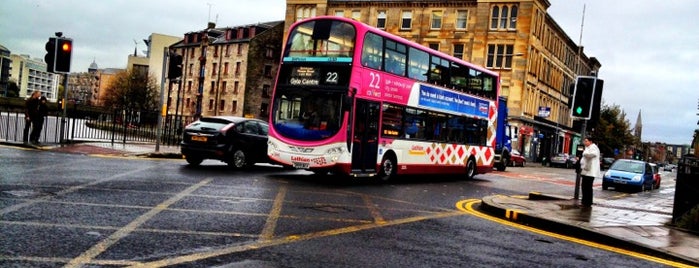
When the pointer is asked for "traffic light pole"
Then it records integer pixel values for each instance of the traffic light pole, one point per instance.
(163, 107)
(65, 108)
(578, 177)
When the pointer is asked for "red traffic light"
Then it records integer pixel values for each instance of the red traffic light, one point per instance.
(66, 47)
(64, 53)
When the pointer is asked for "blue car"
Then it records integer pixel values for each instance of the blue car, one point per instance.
(634, 174)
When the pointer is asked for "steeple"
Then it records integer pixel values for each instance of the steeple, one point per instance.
(638, 129)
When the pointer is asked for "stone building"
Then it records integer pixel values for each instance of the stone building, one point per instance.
(537, 61)
(83, 87)
(227, 71)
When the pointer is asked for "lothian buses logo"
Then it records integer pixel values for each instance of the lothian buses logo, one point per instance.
(483, 108)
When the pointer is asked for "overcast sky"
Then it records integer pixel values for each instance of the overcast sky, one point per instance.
(649, 50)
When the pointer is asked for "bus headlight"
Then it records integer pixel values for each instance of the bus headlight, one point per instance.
(334, 153)
(271, 147)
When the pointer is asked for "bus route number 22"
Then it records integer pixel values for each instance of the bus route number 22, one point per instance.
(375, 81)
(331, 78)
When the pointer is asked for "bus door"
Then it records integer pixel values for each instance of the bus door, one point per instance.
(365, 137)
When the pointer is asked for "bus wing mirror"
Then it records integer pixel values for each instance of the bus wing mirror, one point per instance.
(346, 102)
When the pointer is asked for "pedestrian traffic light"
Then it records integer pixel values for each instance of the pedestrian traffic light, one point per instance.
(583, 97)
(64, 52)
(50, 57)
(174, 69)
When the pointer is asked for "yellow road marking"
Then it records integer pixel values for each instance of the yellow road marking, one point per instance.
(467, 206)
(292, 238)
(375, 213)
(90, 254)
(273, 217)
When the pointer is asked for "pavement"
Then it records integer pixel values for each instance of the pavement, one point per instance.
(641, 220)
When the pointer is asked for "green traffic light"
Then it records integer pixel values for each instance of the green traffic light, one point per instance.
(578, 110)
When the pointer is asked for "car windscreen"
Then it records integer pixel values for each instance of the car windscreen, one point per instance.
(628, 166)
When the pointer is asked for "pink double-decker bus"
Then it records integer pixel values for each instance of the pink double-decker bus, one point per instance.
(351, 99)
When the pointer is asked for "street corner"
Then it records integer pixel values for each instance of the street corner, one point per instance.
(86, 149)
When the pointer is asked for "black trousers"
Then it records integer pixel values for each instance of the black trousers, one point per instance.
(587, 190)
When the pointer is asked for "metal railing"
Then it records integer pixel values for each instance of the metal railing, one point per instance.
(118, 126)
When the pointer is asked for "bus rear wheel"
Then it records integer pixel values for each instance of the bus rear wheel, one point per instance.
(470, 169)
(387, 170)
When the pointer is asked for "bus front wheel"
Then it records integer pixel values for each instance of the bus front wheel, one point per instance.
(470, 169)
(388, 168)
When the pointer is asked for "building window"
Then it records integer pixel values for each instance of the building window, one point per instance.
(213, 87)
(339, 13)
(461, 19)
(240, 49)
(265, 91)
(189, 70)
(228, 50)
(305, 12)
(234, 106)
(406, 20)
(222, 105)
(503, 17)
(500, 56)
(215, 51)
(214, 69)
(263, 109)
(235, 87)
(381, 20)
(436, 20)
(237, 68)
(356, 14)
(224, 84)
(268, 70)
(211, 104)
(434, 46)
(459, 51)
(225, 68)
(269, 53)
(189, 86)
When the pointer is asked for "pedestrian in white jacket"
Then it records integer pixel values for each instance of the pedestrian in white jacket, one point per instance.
(589, 165)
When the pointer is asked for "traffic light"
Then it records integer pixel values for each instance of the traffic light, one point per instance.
(174, 69)
(64, 52)
(583, 97)
(50, 57)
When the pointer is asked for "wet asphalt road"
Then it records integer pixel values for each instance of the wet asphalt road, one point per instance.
(71, 210)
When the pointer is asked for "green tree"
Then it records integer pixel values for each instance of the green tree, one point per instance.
(135, 91)
(613, 130)
(12, 89)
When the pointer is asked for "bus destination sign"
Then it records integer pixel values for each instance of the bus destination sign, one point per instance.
(304, 75)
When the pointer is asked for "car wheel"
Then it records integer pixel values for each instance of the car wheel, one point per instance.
(239, 159)
(470, 169)
(387, 170)
(605, 186)
(523, 163)
(193, 160)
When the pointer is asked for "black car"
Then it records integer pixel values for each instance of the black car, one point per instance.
(238, 141)
(606, 163)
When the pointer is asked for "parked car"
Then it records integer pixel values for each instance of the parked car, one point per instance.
(635, 174)
(237, 141)
(669, 167)
(606, 163)
(563, 160)
(656, 175)
(516, 159)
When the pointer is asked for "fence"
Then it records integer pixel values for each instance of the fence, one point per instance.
(120, 126)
